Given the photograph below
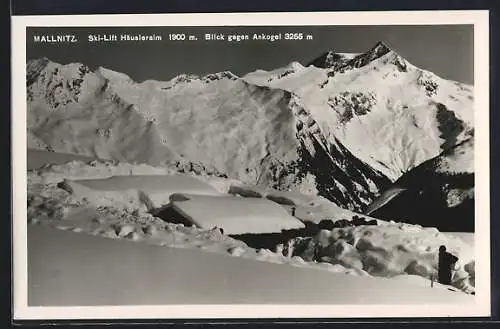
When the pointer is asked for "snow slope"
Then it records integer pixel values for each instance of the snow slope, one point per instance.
(71, 110)
(387, 112)
(438, 192)
(71, 269)
(288, 152)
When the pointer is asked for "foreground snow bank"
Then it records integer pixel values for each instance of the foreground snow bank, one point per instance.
(69, 269)
(388, 251)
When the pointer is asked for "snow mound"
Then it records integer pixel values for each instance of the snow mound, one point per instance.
(234, 215)
(388, 251)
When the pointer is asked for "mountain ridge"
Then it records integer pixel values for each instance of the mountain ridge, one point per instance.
(302, 114)
(387, 92)
(272, 167)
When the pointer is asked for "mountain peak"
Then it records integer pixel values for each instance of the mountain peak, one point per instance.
(34, 67)
(331, 59)
(341, 61)
(380, 45)
(377, 51)
(37, 64)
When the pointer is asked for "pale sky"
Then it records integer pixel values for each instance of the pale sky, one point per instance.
(446, 50)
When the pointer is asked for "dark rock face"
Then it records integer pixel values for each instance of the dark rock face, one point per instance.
(426, 206)
(352, 104)
(449, 125)
(433, 196)
(338, 171)
(338, 63)
(330, 60)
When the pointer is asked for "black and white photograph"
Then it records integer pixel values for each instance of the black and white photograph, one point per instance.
(266, 163)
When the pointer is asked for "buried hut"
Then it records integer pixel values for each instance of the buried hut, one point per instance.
(259, 222)
(148, 192)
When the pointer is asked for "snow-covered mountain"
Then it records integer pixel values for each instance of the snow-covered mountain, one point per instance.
(257, 134)
(439, 192)
(73, 110)
(389, 113)
(344, 126)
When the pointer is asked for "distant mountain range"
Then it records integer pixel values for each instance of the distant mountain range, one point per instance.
(346, 126)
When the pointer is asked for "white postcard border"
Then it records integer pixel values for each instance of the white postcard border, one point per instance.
(481, 307)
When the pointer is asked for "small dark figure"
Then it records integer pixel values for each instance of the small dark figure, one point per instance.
(446, 263)
(293, 211)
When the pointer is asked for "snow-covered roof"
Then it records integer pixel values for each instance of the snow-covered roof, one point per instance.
(153, 191)
(235, 215)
